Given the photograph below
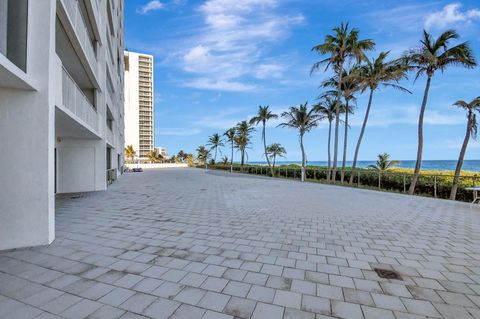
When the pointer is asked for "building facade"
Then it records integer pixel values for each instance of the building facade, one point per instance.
(61, 108)
(139, 103)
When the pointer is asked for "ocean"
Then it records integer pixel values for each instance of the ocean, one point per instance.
(435, 165)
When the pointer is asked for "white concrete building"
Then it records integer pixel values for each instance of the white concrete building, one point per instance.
(61, 108)
(139, 103)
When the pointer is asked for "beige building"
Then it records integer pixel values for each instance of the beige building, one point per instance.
(139, 103)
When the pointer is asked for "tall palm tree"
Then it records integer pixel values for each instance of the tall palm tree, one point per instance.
(384, 163)
(230, 135)
(304, 120)
(264, 115)
(471, 132)
(154, 156)
(326, 108)
(275, 150)
(203, 154)
(242, 139)
(350, 85)
(378, 72)
(215, 141)
(431, 56)
(341, 47)
(130, 152)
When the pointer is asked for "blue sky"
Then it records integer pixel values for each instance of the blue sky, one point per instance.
(216, 61)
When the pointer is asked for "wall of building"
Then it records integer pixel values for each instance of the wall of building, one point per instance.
(26, 147)
(132, 136)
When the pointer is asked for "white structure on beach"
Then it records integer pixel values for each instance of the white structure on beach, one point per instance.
(61, 108)
(139, 103)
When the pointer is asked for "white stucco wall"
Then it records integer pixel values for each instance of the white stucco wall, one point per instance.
(27, 137)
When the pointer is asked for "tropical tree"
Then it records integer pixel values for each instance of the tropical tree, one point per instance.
(189, 159)
(225, 160)
(154, 156)
(215, 141)
(304, 120)
(130, 152)
(341, 47)
(351, 84)
(326, 108)
(263, 115)
(243, 139)
(230, 135)
(434, 55)
(203, 155)
(275, 150)
(375, 73)
(471, 132)
(181, 155)
(383, 162)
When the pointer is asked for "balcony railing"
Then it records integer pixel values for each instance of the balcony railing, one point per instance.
(75, 100)
(80, 26)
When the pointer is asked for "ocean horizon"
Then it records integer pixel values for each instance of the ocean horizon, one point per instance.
(434, 165)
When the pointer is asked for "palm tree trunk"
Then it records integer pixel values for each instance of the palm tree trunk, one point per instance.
(418, 163)
(337, 121)
(273, 162)
(265, 147)
(345, 139)
(360, 137)
(329, 165)
(215, 158)
(458, 169)
(231, 160)
(303, 158)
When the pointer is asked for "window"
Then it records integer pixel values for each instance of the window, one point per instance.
(13, 31)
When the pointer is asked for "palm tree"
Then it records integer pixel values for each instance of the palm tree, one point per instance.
(275, 150)
(326, 108)
(242, 139)
(225, 160)
(215, 141)
(384, 163)
(264, 115)
(203, 154)
(350, 85)
(230, 134)
(130, 152)
(471, 107)
(304, 120)
(154, 156)
(181, 155)
(431, 56)
(341, 47)
(378, 72)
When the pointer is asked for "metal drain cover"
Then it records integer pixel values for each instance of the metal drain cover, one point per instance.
(387, 273)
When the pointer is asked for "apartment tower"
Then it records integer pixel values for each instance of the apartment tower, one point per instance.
(139, 103)
(61, 109)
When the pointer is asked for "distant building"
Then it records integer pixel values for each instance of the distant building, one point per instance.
(61, 109)
(139, 103)
(162, 151)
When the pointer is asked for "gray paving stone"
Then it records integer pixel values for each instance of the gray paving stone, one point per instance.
(161, 308)
(263, 310)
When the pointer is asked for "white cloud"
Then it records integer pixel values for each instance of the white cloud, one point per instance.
(177, 131)
(150, 6)
(231, 45)
(219, 85)
(451, 14)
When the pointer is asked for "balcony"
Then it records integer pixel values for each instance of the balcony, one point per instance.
(76, 101)
(77, 21)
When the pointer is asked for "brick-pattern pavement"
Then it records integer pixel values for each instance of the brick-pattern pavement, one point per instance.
(188, 243)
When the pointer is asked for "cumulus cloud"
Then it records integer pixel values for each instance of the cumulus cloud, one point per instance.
(232, 43)
(451, 14)
(150, 6)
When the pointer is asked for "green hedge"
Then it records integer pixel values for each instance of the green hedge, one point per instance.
(389, 181)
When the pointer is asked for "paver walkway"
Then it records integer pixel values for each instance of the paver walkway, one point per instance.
(185, 243)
